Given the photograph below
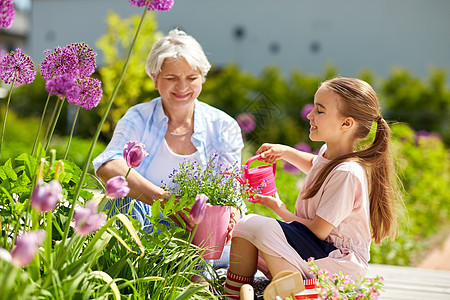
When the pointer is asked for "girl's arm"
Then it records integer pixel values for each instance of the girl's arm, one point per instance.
(270, 153)
(318, 226)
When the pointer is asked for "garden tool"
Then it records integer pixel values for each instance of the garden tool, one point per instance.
(284, 284)
(260, 180)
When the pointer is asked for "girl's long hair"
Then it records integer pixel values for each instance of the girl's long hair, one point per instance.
(359, 101)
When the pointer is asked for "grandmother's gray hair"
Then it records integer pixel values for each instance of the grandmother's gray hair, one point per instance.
(177, 44)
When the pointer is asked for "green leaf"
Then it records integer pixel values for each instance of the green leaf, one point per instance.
(6, 172)
(189, 291)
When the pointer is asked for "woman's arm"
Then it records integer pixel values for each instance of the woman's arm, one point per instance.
(140, 188)
(270, 153)
(318, 226)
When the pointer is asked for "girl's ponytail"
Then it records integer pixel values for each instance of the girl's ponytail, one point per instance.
(381, 171)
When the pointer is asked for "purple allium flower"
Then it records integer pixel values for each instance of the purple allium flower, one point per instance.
(46, 195)
(198, 210)
(26, 247)
(90, 93)
(303, 147)
(116, 187)
(246, 121)
(134, 153)
(85, 57)
(60, 61)
(63, 86)
(7, 13)
(306, 110)
(290, 168)
(86, 218)
(18, 66)
(154, 5)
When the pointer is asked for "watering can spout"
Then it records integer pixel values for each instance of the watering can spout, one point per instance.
(241, 180)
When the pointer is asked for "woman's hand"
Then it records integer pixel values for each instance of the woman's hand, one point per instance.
(181, 215)
(270, 153)
(235, 215)
(184, 218)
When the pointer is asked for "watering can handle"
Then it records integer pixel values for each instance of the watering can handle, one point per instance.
(251, 159)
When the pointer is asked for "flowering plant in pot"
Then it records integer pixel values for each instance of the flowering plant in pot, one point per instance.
(224, 192)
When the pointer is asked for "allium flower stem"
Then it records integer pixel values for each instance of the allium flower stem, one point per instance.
(40, 125)
(53, 125)
(6, 115)
(55, 109)
(99, 127)
(71, 131)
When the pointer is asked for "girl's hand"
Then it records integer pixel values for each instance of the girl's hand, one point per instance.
(274, 203)
(270, 153)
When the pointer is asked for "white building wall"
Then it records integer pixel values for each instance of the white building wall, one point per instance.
(302, 34)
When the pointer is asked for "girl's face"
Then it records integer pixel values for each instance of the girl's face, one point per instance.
(178, 83)
(325, 120)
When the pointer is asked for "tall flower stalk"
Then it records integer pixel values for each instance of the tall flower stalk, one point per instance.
(102, 121)
(15, 68)
(66, 71)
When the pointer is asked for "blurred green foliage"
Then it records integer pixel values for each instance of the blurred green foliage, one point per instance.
(19, 139)
(136, 85)
(276, 100)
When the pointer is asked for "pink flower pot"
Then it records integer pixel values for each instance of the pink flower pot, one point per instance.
(212, 231)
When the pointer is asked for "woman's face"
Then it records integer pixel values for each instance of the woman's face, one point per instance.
(178, 83)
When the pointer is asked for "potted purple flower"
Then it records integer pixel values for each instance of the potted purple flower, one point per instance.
(218, 184)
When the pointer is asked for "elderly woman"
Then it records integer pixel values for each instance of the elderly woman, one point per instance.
(173, 127)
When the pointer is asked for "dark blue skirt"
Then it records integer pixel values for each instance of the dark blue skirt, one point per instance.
(304, 241)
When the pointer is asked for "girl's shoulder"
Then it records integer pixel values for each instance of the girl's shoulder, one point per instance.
(352, 168)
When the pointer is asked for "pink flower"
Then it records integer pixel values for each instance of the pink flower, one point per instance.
(197, 212)
(246, 121)
(17, 66)
(7, 13)
(46, 196)
(61, 61)
(63, 86)
(86, 218)
(90, 93)
(306, 110)
(154, 5)
(134, 153)
(26, 247)
(116, 187)
(85, 57)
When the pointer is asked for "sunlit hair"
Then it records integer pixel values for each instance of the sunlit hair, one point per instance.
(359, 101)
(177, 44)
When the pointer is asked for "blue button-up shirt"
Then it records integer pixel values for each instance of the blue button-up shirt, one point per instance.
(214, 131)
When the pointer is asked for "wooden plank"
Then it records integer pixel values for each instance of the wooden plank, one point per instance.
(412, 283)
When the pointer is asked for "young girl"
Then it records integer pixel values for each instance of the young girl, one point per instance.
(346, 200)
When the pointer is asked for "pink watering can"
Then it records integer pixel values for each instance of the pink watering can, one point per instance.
(260, 180)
